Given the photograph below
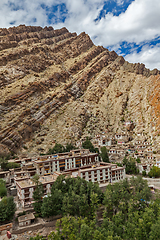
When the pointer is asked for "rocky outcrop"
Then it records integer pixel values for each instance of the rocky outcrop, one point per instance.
(61, 84)
(4, 151)
(139, 68)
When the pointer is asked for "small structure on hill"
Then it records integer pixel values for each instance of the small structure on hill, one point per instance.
(26, 219)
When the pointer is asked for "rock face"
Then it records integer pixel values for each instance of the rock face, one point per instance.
(61, 86)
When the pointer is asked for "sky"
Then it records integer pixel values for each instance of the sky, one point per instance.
(129, 27)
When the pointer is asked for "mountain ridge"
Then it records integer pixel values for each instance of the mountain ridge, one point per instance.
(59, 86)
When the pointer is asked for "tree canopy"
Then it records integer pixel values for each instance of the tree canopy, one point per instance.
(59, 148)
(7, 209)
(38, 237)
(130, 164)
(73, 196)
(77, 229)
(3, 190)
(37, 194)
(104, 154)
(88, 145)
(154, 172)
(5, 165)
(128, 213)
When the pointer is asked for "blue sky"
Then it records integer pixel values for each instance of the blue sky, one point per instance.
(130, 27)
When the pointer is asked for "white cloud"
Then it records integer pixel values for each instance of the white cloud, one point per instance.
(140, 22)
(149, 55)
(26, 12)
(120, 2)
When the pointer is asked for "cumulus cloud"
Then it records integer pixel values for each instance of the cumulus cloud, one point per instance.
(139, 23)
(148, 55)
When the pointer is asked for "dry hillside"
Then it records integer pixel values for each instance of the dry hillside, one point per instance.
(57, 86)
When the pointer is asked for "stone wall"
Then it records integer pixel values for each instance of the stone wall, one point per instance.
(5, 228)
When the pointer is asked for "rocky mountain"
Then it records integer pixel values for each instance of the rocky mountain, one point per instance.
(58, 86)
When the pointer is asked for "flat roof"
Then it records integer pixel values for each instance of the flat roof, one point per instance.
(26, 217)
(19, 178)
(102, 167)
(20, 172)
(52, 158)
(14, 160)
(43, 179)
(2, 172)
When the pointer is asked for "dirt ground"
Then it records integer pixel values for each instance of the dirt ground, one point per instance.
(26, 235)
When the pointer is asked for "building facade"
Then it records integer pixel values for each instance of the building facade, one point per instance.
(65, 161)
(102, 173)
(26, 187)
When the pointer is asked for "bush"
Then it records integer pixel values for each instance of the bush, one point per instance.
(138, 160)
(144, 173)
(21, 213)
(119, 164)
(12, 165)
(5, 165)
(104, 154)
(130, 165)
(88, 145)
(38, 237)
(59, 148)
(154, 172)
(3, 190)
(7, 209)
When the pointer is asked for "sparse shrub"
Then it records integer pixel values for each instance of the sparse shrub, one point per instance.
(144, 173)
(138, 160)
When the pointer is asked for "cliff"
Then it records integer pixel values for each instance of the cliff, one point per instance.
(58, 86)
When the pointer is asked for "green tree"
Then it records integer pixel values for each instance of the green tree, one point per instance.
(144, 173)
(78, 199)
(88, 145)
(58, 148)
(104, 154)
(138, 160)
(126, 209)
(140, 189)
(129, 213)
(37, 194)
(138, 224)
(5, 165)
(38, 237)
(120, 196)
(130, 165)
(3, 190)
(69, 147)
(154, 172)
(52, 205)
(7, 209)
(144, 224)
(155, 230)
(73, 196)
(72, 228)
(12, 165)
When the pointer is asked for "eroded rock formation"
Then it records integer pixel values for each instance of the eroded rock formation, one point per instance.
(61, 84)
